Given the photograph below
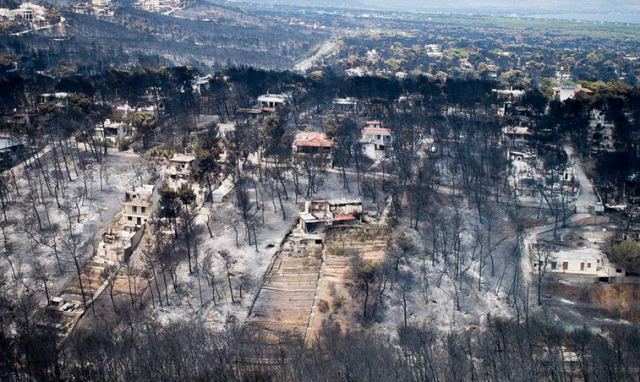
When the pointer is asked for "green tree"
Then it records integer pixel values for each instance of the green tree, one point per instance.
(272, 136)
(207, 150)
(170, 207)
(145, 125)
(627, 254)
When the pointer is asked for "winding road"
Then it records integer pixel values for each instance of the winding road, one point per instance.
(326, 49)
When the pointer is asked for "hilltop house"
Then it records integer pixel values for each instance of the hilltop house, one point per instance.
(273, 100)
(348, 104)
(30, 12)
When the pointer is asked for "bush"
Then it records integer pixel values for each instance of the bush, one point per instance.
(627, 254)
(323, 306)
(124, 145)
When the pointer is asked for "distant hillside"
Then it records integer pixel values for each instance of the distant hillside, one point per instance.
(596, 10)
(314, 3)
(602, 10)
(577, 6)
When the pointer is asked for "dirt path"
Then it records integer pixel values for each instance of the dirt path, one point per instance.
(587, 196)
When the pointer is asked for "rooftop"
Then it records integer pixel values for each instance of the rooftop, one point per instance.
(519, 131)
(278, 98)
(312, 139)
(376, 131)
(590, 254)
(345, 101)
(140, 193)
(183, 158)
(7, 143)
(226, 127)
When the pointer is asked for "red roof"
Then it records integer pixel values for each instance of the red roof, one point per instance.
(312, 139)
(344, 217)
(376, 131)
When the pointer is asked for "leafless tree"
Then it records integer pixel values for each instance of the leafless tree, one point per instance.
(540, 258)
(229, 262)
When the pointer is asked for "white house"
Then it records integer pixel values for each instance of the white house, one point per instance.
(568, 91)
(180, 166)
(6, 14)
(30, 12)
(226, 130)
(137, 207)
(123, 111)
(375, 140)
(581, 261)
(10, 150)
(273, 100)
(509, 94)
(176, 172)
(114, 132)
(345, 104)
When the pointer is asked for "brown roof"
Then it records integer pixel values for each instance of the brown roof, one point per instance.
(376, 131)
(312, 139)
(344, 217)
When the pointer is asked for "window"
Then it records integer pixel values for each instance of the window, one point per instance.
(134, 209)
(565, 266)
(142, 209)
(129, 218)
(554, 265)
(588, 265)
(582, 266)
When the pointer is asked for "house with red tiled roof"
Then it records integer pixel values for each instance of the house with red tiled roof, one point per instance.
(312, 143)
